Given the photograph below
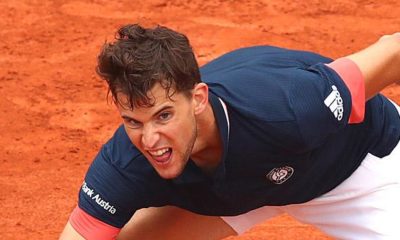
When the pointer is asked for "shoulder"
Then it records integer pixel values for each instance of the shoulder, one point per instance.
(119, 150)
(261, 79)
(119, 162)
(264, 57)
(260, 72)
(120, 181)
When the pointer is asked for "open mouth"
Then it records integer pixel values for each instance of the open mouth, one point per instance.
(161, 155)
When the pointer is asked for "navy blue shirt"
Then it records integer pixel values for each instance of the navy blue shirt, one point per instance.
(284, 141)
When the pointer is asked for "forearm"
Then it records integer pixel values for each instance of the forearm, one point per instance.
(379, 64)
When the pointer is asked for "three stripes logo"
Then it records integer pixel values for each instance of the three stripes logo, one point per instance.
(335, 103)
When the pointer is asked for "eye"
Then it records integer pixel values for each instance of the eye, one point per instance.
(164, 116)
(132, 123)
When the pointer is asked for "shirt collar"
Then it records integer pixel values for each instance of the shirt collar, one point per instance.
(191, 172)
(222, 119)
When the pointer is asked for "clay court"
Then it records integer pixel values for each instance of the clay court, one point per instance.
(54, 111)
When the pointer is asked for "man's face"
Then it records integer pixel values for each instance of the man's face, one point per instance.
(165, 133)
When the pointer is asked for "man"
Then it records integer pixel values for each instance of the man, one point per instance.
(264, 130)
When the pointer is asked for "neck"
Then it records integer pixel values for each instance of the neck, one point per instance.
(207, 150)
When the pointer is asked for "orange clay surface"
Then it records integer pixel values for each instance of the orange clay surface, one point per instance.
(53, 108)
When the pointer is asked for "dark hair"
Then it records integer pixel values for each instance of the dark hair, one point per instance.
(141, 57)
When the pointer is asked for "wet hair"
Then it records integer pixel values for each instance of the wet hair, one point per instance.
(141, 57)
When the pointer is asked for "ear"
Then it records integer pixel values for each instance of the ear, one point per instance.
(200, 97)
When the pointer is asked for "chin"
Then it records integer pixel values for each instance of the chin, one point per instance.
(169, 173)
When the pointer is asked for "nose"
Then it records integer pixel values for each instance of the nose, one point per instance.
(150, 136)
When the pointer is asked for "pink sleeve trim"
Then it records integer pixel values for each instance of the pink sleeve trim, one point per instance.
(354, 80)
(91, 228)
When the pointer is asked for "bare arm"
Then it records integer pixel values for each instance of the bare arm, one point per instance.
(69, 233)
(149, 223)
(379, 64)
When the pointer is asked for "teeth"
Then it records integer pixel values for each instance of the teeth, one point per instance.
(159, 152)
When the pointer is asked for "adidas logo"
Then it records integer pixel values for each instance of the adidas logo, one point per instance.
(335, 103)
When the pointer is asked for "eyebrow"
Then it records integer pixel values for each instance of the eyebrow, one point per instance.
(154, 114)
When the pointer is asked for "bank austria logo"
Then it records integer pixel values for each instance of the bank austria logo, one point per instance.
(98, 199)
(335, 103)
(280, 175)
